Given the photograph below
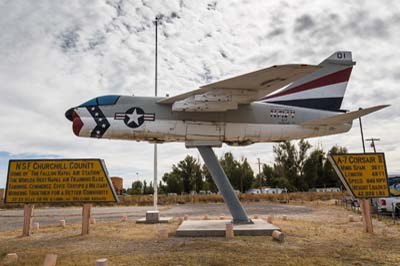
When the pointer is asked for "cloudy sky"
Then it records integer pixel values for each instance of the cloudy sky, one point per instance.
(58, 54)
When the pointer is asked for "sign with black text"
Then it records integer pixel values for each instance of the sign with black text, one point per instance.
(58, 181)
(364, 175)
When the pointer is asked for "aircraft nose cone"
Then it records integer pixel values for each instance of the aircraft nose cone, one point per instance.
(68, 114)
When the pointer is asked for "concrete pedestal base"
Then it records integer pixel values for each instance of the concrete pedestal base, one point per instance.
(210, 228)
(153, 217)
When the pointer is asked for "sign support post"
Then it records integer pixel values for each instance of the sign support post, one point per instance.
(366, 213)
(86, 218)
(28, 217)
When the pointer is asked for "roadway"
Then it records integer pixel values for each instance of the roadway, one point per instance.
(11, 219)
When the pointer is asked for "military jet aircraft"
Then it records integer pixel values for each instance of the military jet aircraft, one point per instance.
(278, 103)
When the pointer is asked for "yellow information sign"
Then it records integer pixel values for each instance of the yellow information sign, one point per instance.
(364, 175)
(58, 181)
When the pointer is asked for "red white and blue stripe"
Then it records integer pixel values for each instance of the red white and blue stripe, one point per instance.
(325, 92)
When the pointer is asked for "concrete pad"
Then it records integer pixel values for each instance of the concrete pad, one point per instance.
(207, 228)
(161, 220)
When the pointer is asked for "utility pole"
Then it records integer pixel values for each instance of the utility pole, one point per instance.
(362, 133)
(259, 172)
(372, 140)
(155, 195)
(365, 204)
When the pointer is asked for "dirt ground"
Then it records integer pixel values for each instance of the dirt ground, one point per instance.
(323, 238)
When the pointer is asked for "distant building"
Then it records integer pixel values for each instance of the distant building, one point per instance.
(253, 191)
(269, 190)
(325, 189)
(265, 190)
(117, 184)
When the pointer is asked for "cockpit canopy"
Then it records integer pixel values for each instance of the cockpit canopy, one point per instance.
(102, 100)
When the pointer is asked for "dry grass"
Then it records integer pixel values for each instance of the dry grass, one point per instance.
(326, 239)
(147, 200)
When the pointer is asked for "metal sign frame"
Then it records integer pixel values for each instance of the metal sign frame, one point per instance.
(103, 168)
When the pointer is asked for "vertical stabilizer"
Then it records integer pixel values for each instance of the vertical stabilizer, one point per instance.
(323, 89)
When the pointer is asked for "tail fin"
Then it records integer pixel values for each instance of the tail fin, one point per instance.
(323, 89)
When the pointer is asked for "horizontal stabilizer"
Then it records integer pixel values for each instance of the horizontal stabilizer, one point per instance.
(343, 118)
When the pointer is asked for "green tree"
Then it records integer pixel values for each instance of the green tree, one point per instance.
(144, 187)
(150, 188)
(184, 177)
(189, 170)
(272, 179)
(314, 168)
(246, 176)
(161, 188)
(173, 182)
(231, 168)
(208, 181)
(289, 163)
(330, 177)
(136, 188)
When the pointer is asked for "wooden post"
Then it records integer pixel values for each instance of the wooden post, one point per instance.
(86, 218)
(50, 260)
(229, 233)
(62, 223)
(394, 212)
(28, 217)
(366, 214)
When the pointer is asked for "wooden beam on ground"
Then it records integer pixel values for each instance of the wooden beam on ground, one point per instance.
(28, 217)
(86, 218)
(278, 235)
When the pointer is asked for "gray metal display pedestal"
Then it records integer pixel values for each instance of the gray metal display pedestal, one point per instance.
(224, 186)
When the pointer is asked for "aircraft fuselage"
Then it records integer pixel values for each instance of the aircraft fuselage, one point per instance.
(144, 119)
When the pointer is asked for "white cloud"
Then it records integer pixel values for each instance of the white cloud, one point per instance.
(54, 56)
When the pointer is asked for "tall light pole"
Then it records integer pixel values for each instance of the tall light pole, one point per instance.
(155, 185)
(259, 172)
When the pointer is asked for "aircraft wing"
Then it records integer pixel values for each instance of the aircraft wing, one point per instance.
(343, 118)
(227, 94)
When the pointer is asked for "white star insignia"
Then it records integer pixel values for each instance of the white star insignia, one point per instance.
(134, 117)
